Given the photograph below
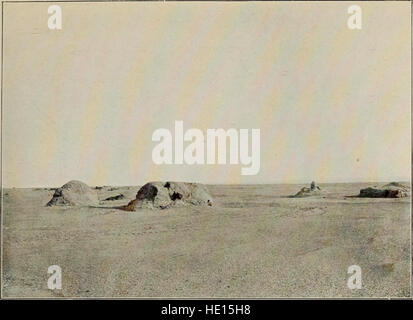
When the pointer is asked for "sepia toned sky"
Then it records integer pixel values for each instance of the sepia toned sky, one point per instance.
(332, 104)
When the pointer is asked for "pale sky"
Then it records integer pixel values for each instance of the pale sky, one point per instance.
(332, 104)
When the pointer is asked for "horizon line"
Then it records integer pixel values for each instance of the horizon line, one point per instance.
(228, 184)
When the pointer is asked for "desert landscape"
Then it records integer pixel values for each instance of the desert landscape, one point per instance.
(252, 241)
(196, 131)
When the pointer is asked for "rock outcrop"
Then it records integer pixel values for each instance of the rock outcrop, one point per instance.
(390, 190)
(314, 190)
(161, 195)
(396, 186)
(74, 193)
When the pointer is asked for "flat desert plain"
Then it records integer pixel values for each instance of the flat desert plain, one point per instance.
(254, 242)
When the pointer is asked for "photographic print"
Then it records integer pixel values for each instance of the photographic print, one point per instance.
(206, 149)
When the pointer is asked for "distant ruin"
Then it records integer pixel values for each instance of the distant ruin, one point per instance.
(314, 190)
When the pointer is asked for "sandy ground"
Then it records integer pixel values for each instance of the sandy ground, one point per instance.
(255, 242)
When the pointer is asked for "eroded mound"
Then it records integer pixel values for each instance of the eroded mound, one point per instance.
(314, 190)
(161, 195)
(390, 190)
(396, 186)
(74, 193)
